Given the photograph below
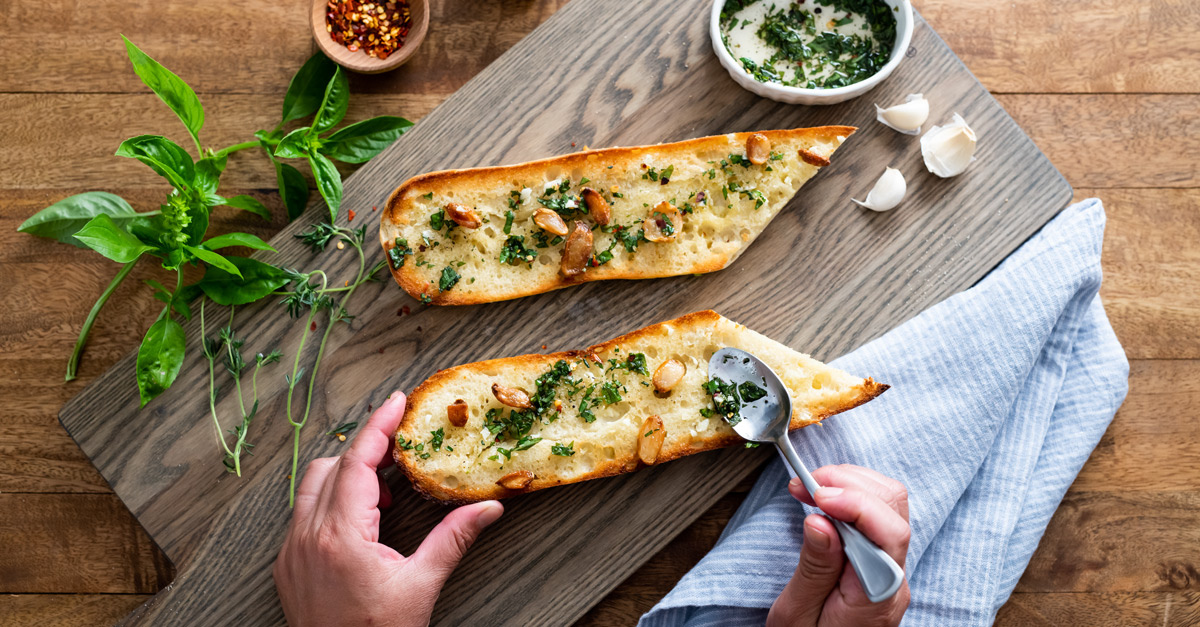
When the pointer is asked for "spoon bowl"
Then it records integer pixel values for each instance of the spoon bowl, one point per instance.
(766, 418)
(763, 419)
(361, 62)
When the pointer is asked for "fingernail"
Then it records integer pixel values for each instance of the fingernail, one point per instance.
(819, 540)
(491, 513)
(828, 493)
(395, 397)
(795, 484)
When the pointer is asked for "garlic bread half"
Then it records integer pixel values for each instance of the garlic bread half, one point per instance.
(479, 235)
(507, 426)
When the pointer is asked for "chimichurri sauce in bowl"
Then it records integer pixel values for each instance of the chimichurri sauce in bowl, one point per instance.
(810, 44)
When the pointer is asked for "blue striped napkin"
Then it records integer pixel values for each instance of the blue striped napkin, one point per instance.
(999, 394)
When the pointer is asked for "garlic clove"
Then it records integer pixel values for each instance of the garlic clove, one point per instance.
(889, 190)
(906, 117)
(948, 150)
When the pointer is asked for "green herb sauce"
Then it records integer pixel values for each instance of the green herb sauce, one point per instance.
(817, 45)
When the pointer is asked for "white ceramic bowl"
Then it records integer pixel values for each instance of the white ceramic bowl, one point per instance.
(800, 95)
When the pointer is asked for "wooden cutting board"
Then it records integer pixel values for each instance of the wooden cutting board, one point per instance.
(825, 278)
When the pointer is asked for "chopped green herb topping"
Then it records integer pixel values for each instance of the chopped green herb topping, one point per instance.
(610, 392)
(397, 253)
(560, 200)
(541, 239)
(726, 401)
(587, 403)
(515, 251)
(449, 278)
(751, 392)
(564, 451)
(634, 362)
(343, 429)
(525, 443)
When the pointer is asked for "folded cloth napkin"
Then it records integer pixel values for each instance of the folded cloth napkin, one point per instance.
(999, 394)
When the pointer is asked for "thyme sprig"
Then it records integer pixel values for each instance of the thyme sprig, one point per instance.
(228, 348)
(311, 291)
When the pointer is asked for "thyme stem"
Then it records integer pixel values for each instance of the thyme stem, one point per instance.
(334, 316)
(237, 379)
(212, 389)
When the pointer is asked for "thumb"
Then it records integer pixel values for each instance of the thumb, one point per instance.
(445, 546)
(817, 574)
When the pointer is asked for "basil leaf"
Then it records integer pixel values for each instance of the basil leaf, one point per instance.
(152, 231)
(163, 156)
(208, 174)
(199, 225)
(213, 259)
(169, 87)
(258, 280)
(159, 358)
(292, 188)
(294, 145)
(248, 203)
(333, 106)
(307, 88)
(238, 239)
(359, 142)
(329, 182)
(61, 220)
(103, 235)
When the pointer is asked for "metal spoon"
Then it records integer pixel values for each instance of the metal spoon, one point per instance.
(766, 419)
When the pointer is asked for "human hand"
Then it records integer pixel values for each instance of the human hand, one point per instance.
(333, 571)
(824, 591)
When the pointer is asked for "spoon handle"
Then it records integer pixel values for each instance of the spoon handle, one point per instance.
(879, 574)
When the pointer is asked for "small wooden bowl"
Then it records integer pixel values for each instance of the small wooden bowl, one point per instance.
(358, 61)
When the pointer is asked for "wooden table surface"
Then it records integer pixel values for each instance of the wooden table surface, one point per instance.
(1109, 89)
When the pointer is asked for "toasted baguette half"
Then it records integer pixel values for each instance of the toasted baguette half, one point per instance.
(614, 430)
(723, 201)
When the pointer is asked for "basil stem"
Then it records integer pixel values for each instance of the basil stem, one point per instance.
(73, 362)
(224, 152)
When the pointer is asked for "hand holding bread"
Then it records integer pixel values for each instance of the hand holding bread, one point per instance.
(333, 571)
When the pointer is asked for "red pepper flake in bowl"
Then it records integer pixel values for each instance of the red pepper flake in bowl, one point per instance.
(377, 28)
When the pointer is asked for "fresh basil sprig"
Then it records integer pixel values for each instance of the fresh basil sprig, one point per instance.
(177, 234)
(322, 90)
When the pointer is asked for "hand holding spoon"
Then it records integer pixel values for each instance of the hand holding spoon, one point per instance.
(766, 420)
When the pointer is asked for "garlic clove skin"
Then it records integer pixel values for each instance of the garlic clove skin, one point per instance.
(889, 190)
(948, 150)
(906, 117)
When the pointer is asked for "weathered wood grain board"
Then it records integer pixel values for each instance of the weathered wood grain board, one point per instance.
(825, 278)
